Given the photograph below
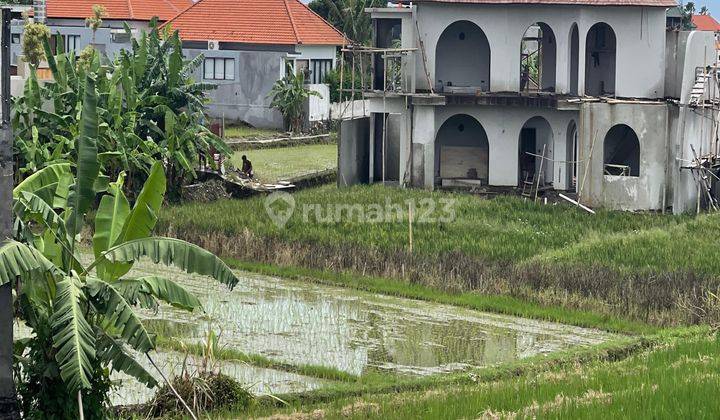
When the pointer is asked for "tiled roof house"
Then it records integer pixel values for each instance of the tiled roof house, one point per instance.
(248, 44)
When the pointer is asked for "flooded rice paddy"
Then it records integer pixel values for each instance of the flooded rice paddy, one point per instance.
(303, 323)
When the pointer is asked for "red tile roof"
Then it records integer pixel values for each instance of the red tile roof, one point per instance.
(277, 22)
(651, 3)
(118, 9)
(705, 23)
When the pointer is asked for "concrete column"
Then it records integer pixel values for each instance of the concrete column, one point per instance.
(504, 64)
(582, 35)
(409, 40)
(562, 63)
(559, 153)
(423, 146)
(405, 148)
(503, 139)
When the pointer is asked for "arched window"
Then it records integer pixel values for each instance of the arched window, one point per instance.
(621, 152)
(462, 59)
(462, 150)
(538, 59)
(600, 51)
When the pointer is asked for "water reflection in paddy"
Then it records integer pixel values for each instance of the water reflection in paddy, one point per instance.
(304, 323)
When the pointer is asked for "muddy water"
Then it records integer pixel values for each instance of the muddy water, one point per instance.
(303, 323)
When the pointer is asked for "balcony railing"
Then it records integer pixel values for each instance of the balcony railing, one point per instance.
(377, 70)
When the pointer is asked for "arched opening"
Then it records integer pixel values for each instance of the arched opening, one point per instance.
(574, 59)
(536, 141)
(571, 157)
(538, 54)
(462, 59)
(462, 150)
(600, 51)
(621, 152)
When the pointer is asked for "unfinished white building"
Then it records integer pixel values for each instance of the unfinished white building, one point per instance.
(593, 97)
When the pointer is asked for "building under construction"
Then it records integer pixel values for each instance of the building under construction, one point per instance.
(593, 97)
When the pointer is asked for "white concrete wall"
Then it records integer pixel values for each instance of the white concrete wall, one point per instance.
(502, 126)
(316, 52)
(319, 106)
(640, 34)
(690, 127)
(645, 192)
(103, 38)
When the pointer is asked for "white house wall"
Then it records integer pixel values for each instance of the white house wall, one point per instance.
(693, 127)
(640, 34)
(502, 126)
(245, 99)
(644, 192)
(316, 52)
(103, 37)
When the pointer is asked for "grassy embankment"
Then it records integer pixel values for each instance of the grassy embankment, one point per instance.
(671, 375)
(643, 267)
(615, 271)
(247, 132)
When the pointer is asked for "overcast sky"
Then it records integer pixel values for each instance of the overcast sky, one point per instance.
(713, 5)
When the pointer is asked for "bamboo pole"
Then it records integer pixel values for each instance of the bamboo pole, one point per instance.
(540, 173)
(352, 95)
(410, 225)
(587, 167)
(342, 74)
(362, 82)
(385, 119)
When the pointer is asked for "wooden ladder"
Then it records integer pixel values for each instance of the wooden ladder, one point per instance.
(698, 91)
(528, 185)
(531, 185)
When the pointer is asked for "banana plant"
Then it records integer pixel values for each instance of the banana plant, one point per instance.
(136, 92)
(82, 315)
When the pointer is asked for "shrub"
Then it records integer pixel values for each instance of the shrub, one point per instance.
(288, 96)
(204, 392)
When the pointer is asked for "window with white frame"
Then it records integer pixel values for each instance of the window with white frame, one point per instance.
(72, 43)
(319, 70)
(66, 43)
(219, 69)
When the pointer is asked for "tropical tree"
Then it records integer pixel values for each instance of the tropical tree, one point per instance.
(288, 96)
(81, 316)
(349, 16)
(142, 93)
(687, 10)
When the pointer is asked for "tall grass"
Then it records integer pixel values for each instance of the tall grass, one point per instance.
(676, 380)
(650, 267)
